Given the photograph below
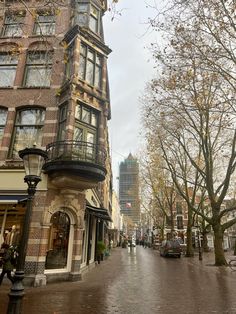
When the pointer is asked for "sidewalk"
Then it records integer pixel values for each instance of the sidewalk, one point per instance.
(137, 282)
(59, 298)
(208, 263)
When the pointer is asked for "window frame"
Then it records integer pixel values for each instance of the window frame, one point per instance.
(86, 127)
(19, 125)
(3, 125)
(92, 17)
(69, 58)
(8, 65)
(63, 111)
(180, 222)
(39, 25)
(11, 22)
(87, 18)
(37, 66)
(85, 61)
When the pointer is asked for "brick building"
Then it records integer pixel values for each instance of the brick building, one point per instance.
(54, 94)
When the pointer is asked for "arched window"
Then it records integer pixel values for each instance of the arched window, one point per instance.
(28, 130)
(58, 241)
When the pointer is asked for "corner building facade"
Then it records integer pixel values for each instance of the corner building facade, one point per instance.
(54, 94)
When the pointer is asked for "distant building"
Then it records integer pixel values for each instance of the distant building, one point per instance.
(129, 188)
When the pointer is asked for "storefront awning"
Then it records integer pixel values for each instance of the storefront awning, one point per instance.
(12, 199)
(101, 213)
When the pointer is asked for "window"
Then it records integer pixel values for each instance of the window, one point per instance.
(82, 14)
(8, 65)
(3, 119)
(86, 115)
(13, 24)
(62, 123)
(69, 62)
(86, 121)
(89, 16)
(38, 69)
(179, 208)
(90, 66)
(28, 129)
(45, 24)
(94, 20)
(58, 241)
(180, 222)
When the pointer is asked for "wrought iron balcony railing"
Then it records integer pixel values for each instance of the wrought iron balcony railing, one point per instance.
(76, 151)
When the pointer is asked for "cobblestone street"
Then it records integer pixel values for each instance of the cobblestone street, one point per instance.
(137, 282)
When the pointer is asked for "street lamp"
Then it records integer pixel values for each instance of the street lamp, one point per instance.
(33, 159)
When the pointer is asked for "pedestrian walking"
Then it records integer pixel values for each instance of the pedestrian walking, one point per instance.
(7, 266)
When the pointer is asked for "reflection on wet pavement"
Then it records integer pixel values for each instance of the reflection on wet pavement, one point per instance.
(137, 281)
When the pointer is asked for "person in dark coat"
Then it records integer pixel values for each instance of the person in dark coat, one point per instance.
(7, 266)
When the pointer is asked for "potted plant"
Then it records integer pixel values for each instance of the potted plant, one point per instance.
(101, 247)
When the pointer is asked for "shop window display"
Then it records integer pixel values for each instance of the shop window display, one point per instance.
(58, 241)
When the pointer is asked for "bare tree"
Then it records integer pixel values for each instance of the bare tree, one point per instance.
(192, 111)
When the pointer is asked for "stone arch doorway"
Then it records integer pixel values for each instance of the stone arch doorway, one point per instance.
(58, 241)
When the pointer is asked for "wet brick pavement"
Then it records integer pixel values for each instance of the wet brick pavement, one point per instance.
(137, 282)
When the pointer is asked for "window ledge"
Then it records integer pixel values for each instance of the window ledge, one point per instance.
(42, 35)
(10, 37)
(34, 87)
(90, 86)
(7, 87)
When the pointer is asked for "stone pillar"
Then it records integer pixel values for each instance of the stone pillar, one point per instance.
(77, 254)
(37, 244)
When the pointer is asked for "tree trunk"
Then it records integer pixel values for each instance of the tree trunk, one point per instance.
(205, 242)
(235, 247)
(172, 224)
(218, 245)
(189, 248)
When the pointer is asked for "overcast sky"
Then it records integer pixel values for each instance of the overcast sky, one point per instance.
(130, 66)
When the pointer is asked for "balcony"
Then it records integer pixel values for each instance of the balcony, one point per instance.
(75, 164)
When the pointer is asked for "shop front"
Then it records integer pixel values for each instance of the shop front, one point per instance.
(12, 210)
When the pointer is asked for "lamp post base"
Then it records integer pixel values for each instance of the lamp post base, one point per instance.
(16, 294)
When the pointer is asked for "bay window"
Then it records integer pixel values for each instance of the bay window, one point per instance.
(86, 129)
(90, 66)
(62, 122)
(88, 15)
(94, 20)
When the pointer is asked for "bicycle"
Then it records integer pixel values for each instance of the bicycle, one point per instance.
(232, 263)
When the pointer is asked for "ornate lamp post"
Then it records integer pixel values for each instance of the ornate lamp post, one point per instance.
(33, 159)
